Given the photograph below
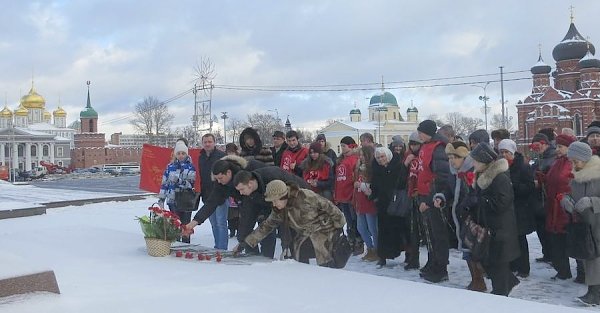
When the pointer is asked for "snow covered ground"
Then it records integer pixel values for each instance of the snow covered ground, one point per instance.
(98, 254)
(15, 197)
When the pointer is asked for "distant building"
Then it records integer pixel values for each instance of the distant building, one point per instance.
(571, 98)
(30, 134)
(138, 140)
(384, 122)
(90, 146)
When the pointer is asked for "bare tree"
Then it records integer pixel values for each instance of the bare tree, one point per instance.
(187, 132)
(305, 136)
(235, 127)
(152, 117)
(436, 119)
(265, 125)
(496, 122)
(471, 124)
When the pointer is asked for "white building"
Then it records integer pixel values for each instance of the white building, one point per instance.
(384, 122)
(28, 135)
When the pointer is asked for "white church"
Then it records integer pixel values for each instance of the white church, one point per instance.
(30, 134)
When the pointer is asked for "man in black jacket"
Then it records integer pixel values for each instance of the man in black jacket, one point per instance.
(279, 146)
(254, 209)
(223, 171)
(218, 220)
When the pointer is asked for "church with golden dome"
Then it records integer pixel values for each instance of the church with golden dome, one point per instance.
(30, 134)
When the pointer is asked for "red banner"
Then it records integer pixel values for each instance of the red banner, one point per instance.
(154, 162)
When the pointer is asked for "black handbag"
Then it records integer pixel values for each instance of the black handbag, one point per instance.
(581, 244)
(477, 238)
(185, 200)
(341, 250)
(400, 204)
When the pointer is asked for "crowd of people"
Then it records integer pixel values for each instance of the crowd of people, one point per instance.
(437, 190)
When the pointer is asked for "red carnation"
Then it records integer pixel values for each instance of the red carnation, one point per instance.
(470, 177)
(559, 197)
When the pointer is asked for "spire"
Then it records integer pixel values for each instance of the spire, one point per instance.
(382, 86)
(89, 103)
(540, 52)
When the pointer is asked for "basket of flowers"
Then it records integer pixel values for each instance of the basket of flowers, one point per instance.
(160, 228)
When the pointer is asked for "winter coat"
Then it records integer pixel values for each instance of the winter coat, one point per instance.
(391, 230)
(296, 155)
(586, 183)
(496, 212)
(311, 217)
(523, 187)
(558, 181)
(250, 151)
(434, 169)
(278, 153)
(344, 177)
(265, 156)
(330, 153)
(324, 175)
(540, 167)
(254, 208)
(206, 162)
(361, 202)
(178, 175)
(463, 196)
(220, 193)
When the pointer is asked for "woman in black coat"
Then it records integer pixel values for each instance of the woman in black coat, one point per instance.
(496, 213)
(389, 175)
(523, 187)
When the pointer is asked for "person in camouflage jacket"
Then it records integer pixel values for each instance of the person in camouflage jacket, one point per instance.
(315, 220)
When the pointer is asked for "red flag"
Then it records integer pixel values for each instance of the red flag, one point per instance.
(154, 162)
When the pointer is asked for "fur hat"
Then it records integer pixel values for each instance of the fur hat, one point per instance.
(508, 145)
(427, 127)
(321, 137)
(483, 153)
(275, 190)
(180, 146)
(565, 140)
(414, 136)
(579, 151)
(316, 147)
(457, 148)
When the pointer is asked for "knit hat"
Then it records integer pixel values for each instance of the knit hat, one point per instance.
(457, 148)
(180, 146)
(592, 130)
(427, 127)
(508, 145)
(484, 153)
(565, 140)
(348, 141)
(275, 190)
(316, 147)
(479, 136)
(397, 141)
(278, 134)
(321, 137)
(579, 151)
(414, 136)
(539, 137)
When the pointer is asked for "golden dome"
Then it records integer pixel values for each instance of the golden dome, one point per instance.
(6, 112)
(33, 100)
(59, 112)
(21, 111)
(47, 116)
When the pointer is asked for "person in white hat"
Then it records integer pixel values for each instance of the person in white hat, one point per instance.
(316, 221)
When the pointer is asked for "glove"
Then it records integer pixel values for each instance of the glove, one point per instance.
(240, 247)
(567, 203)
(583, 204)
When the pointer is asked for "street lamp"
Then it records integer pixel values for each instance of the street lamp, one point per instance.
(485, 99)
(224, 117)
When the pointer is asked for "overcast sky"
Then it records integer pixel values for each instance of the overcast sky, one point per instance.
(133, 49)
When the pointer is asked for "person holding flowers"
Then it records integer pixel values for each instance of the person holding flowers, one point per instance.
(179, 175)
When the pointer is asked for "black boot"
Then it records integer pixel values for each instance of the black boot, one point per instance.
(436, 275)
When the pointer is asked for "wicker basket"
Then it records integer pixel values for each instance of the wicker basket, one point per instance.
(158, 247)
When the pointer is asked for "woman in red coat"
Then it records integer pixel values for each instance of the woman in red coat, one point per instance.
(366, 213)
(317, 171)
(557, 182)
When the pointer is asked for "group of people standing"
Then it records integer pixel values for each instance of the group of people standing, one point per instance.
(429, 191)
